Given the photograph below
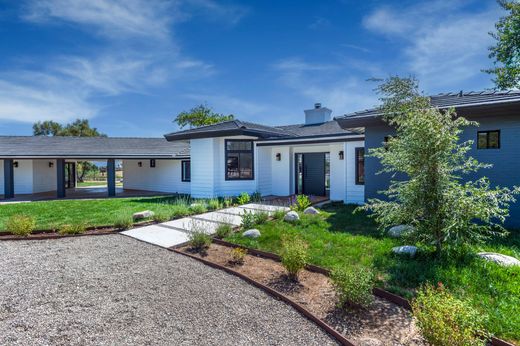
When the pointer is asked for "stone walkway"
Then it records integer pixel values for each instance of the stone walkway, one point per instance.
(176, 232)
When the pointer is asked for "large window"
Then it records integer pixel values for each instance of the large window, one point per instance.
(488, 139)
(185, 170)
(239, 160)
(360, 166)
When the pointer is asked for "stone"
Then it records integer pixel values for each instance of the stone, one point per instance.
(291, 216)
(399, 231)
(498, 258)
(405, 250)
(251, 233)
(143, 215)
(311, 210)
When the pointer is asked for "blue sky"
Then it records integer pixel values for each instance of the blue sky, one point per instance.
(131, 65)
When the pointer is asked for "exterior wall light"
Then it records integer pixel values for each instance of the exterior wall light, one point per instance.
(278, 157)
(140, 164)
(15, 164)
(341, 155)
(51, 164)
(152, 163)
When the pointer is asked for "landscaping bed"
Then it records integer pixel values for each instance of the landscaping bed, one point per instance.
(382, 323)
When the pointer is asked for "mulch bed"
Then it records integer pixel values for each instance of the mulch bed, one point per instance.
(383, 323)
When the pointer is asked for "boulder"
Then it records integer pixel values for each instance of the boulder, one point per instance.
(143, 215)
(405, 250)
(251, 233)
(311, 210)
(399, 231)
(291, 216)
(498, 258)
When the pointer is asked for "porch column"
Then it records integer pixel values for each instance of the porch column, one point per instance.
(60, 178)
(111, 177)
(8, 178)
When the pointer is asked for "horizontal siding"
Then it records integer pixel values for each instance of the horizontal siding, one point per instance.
(1, 177)
(202, 167)
(263, 170)
(44, 177)
(355, 194)
(164, 177)
(23, 177)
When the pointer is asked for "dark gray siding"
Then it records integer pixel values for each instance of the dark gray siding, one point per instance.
(505, 161)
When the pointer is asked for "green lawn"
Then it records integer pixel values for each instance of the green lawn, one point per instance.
(50, 214)
(95, 183)
(339, 237)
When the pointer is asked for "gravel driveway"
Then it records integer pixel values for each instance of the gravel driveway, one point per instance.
(113, 290)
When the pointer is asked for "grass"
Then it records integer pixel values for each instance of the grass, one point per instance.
(99, 212)
(95, 183)
(339, 237)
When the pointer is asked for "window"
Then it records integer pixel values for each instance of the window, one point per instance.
(186, 170)
(239, 160)
(152, 163)
(360, 166)
(488, 139)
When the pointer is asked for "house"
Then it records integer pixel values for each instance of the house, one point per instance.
(321, 156)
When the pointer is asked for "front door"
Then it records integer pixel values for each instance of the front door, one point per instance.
(310, 174)
(70, 175)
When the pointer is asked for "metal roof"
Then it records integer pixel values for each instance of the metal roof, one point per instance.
(91, 147)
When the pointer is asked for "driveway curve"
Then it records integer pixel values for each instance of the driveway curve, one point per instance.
(106, 290)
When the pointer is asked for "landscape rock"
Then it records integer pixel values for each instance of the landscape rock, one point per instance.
(251, 233)
(400, 230)
(499, 259)
(311, 210)
(143, 215)
(291, 216)
(405, 250)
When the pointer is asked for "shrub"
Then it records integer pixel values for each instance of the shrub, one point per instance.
(162, 216)
(294, 256)
(228, 202)
(223, 231)
(198, 208)
(248, 220)
(244, 198)
(301, 203)
(256, 196)
(198, 240)
(353, 285)
(214, 204)
(181, 210)
(20, 225)
(123, 221)
(279, 215)
(261, 217)
(237, 255)
(74, 228)
(445, 320)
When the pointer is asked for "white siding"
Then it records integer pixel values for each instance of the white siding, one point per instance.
(23, 177)
(355, 193)
(164, 177)
(1, 177)
(337, 173)
(202, 152)
(264, 170)
(44, 177)
(281, 171)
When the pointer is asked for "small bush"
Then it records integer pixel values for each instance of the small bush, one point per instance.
(198, 240)
(75, 228)
(162, 216)
(223, 231)
(294, 256)
(244, 198)
(123, 222)
(198, 208)
(248, 220)
(180, 211)
(214, 204)
(20, 225)
(228, 202)
(279, 215)
(256, 196)
(237, 255)
(261, 217)
(301, 203)
(445, 320)
(353, 285)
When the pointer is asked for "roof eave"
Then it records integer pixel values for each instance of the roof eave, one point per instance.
(222, 133)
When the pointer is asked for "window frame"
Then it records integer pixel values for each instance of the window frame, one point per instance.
(356, 165)
(183, 175)
(487, 132)
(251, 151)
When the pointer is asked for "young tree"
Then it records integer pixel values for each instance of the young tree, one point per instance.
(506, 52)
(200, 116)
(427, 154)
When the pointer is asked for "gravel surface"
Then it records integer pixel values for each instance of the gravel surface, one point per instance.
(113, 290)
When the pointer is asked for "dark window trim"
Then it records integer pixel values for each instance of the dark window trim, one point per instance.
(252, 152)
(358, 150)
(183, 176)
(487, 132)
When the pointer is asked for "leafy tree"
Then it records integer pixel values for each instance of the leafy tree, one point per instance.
(506, 52)
(430, 160)
(78, 128)
(200, 116)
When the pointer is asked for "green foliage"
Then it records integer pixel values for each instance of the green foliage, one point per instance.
(237, 255)
(223, 231)
(244, 198)
(214, 204)
(20, 225)
(433, 199)
(279, 214)
(74, 228)
(353, 285)
(228, 202)
(123, 221)
(261, 217)
(256, 197)
(294, 256)
(248, 220)
(198, 208)
(200, 116)
(199, 241)
(506, 52)
(162, 216)
(445, 320)
(301, 203)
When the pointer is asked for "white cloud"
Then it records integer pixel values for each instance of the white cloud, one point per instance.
(231, 14)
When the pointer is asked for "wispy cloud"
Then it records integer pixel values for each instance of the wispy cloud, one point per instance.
(320, 23)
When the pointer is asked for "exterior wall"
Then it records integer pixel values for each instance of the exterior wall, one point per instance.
(1, 177)
(355, 194)
(264, 170)
(202, 152)
(164, 177)
(44, 177)
(281, 180)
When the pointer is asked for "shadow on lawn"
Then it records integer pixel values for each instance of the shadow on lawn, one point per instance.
(344, 219)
